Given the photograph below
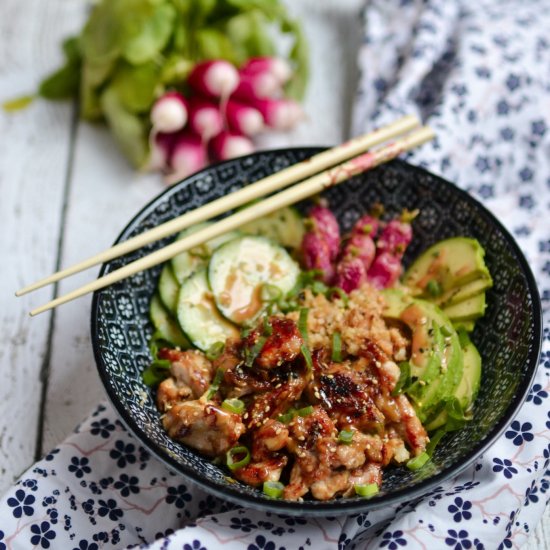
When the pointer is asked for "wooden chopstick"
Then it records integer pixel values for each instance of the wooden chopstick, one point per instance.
(265, 186)
(294, 194)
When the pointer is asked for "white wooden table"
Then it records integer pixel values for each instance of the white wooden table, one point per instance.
(66, 192)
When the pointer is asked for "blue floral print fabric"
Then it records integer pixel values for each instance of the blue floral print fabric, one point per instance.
(479, 74)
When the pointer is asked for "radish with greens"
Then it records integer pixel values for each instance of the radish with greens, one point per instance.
(316, 255)
(161, 146)
(243, 119)
(279, 114)
(205, 118)
(214, 78)
(169, 113)
(276, 66)
(257, 86)
(188, 156)
(227, 145)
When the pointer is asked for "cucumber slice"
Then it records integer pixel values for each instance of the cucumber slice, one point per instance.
(239, 269)
(168, 288)
(285, 227)
(188, 262)
(165, 325)
(450, 263)
(197, 314)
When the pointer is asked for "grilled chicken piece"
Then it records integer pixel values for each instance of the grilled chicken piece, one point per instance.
(255, 473)
(414, 433)
(313, 442)
(282, 344)
(170, 392)
(269, 438)
(287, 388)
(190, 368)
(203, 426)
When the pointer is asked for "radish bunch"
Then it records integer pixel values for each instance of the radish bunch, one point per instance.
(372, 252)
(217, 119)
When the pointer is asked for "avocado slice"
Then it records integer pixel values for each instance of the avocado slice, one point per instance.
(436, 356)
(468, 326)
(467, 389)
(467, 310)
(463, 292)
(446, 265)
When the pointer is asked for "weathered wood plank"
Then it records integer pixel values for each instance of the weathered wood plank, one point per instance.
(34, 152)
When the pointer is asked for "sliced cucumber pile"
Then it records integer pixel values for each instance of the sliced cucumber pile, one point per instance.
(205, 294)
(198, 316)
(240, 269)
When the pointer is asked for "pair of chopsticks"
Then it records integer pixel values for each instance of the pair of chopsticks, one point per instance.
(346, 160)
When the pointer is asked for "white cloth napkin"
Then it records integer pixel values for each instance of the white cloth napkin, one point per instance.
(479, 73)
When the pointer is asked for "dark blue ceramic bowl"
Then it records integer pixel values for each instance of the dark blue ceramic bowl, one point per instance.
(508, 336)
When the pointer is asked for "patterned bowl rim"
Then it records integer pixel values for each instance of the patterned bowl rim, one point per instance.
(340, 506)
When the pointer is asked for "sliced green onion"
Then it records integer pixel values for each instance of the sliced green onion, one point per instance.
(215, 350)
(271, 293)
(233, 405)
(336, 347)
(346, 436)
(341, 294)
(404, 378)
(253, 352)
(307, 356)
(234, 454)
(215, 386)
(367, 491)
(302, 323)
(268, 329)
(418, 461)
(306, 411)
(318, 287)
(273, 489)
(434, 288)
(287, 417)
(445, 330)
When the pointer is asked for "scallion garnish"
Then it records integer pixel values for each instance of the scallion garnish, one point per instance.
(215, 386)
(215, 350)
(404, 378)
(418, 461)
(254, 351)
(346, 436)
(307, 356)
(273, 489)
(237, 457)
(341, 294)
(306, 411)
(287, 417)
(233, 405)
(434, 288)
(336, 347)
(271, 293)
(302, 323)
(368, 490)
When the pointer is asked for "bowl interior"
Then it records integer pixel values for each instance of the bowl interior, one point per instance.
(508, 336)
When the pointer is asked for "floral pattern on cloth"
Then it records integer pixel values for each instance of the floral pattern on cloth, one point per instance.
(477, 72)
